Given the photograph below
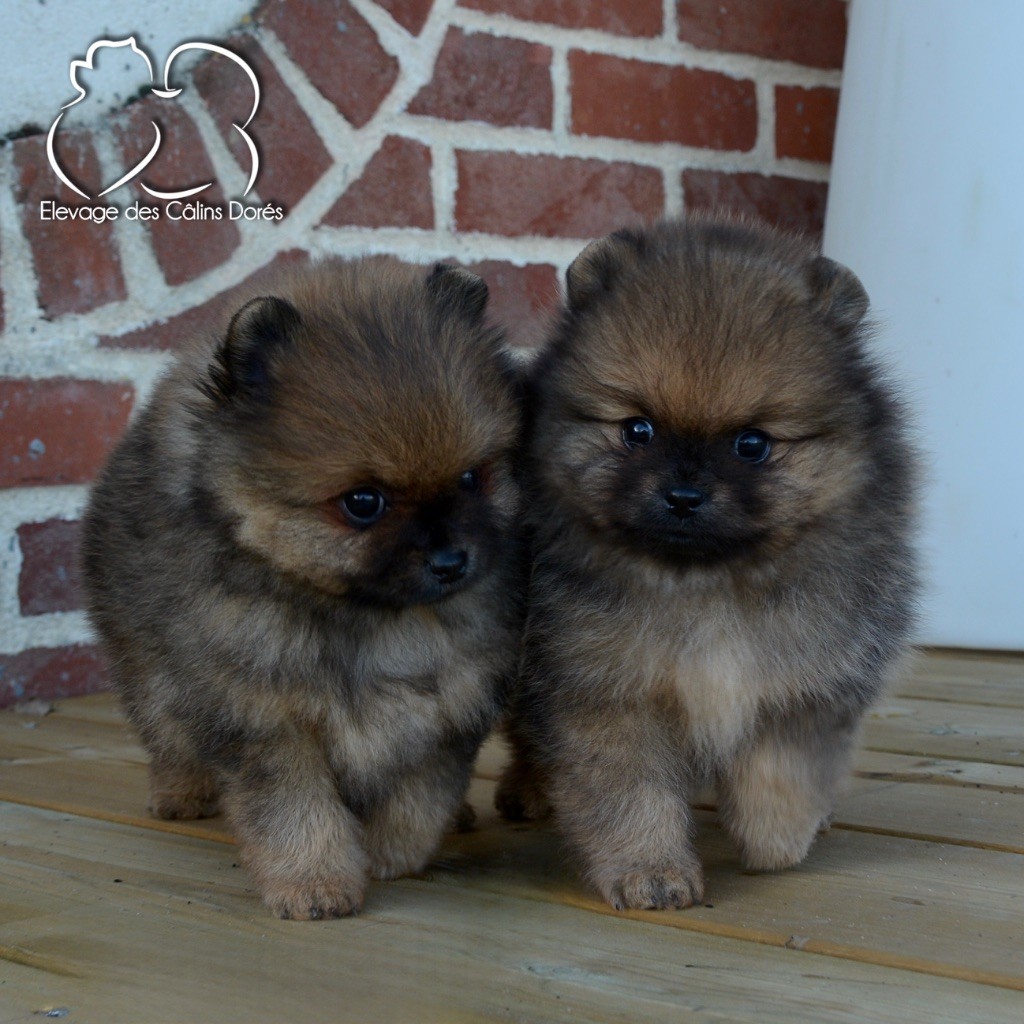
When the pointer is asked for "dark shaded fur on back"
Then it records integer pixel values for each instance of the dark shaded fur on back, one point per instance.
(737, 645)
(317, 678)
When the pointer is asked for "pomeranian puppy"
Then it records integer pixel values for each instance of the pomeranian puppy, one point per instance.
(723, 574)
(301, 563)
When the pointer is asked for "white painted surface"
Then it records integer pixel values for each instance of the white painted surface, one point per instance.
(927, 206)
(40, 40)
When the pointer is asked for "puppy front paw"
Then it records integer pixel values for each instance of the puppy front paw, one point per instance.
(314, 899)
(772, 850)
(663, 888)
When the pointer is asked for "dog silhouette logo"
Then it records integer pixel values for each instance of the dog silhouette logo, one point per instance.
(166, 93)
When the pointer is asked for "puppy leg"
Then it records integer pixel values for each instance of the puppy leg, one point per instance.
(520, 793)
(619, 795)
(302, 845)
(404, 831)
(180, 787)
(781, 789)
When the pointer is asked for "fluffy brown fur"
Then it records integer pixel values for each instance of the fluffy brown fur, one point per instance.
(302, 566)
(704, 608)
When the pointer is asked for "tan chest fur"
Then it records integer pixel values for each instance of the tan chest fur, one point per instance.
(707, 660)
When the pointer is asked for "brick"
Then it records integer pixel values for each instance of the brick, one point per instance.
(48, 581)
(76, 262)
(59, 431)
(170, 333)
(51, 673)
(521, 298)
(789, 203)
(185, 249)
(805, 122)
(292, 157)
(337, 49)
(514, 194)
(393, 191)
(410, 14)
(623, 17)
(810, 32)
(479, 77)
(647, 102)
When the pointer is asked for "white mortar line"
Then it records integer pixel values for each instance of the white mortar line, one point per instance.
(229, 174)
(17, 272)
(139, 266)
(669, 22)
(19, 506)
(659, 49)
(765, 145)
(332, 128)
(478, 137)
(393, 38)
(444, 183)
(561, 86)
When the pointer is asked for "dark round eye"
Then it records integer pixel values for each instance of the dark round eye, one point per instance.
(637, 431)
(752, 446)
(364, 506)
(470, 481)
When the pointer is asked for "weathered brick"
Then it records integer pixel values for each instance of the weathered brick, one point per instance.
(805, 122)
(647, 102)
(811, 32)
(410, 14)
(393, 190)
(623, 17)
(515, 194)
(337, 49)
(789, 203)
(521, 298)
(51, 673)
(59, 431)
(292, 157)
(479, 77)
(171, 332)
(48, 581)
(185, 249)
(76, 261)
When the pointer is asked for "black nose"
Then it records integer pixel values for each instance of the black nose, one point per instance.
(684, 501)
(448, 565)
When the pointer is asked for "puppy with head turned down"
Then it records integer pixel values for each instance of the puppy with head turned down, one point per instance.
(721, 506)
(302, 565)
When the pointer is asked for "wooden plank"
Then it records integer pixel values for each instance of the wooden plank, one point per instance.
(113, 788)
(179, 938)
(950, 910)
(963, 732)
(867, 876)
(936, 771)
(975, 677)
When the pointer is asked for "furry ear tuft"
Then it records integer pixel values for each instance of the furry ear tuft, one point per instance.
(241, 366)
(594, 271)
(837, 293)
(458, 290)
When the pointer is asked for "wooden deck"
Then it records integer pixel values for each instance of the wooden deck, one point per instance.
(910, 909)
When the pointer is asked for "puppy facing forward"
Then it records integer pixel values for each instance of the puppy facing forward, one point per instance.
(723, 578)
(301, 564)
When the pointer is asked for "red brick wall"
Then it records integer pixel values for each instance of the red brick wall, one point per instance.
(500, 133)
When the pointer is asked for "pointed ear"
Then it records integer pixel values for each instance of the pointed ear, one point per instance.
(242, 365)
(458, 291)
(837, 293)
(594, 271)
